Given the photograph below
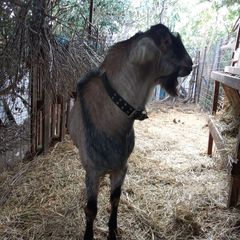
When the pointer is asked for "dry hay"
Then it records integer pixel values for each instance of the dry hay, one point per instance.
(229, 127)
(172, 190)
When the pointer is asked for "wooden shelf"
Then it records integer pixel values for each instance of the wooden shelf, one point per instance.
(227, 79)
(232, 70)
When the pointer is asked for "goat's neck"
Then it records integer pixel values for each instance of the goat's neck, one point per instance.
(133, 86)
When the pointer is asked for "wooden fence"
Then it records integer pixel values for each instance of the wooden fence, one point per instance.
(48, 113)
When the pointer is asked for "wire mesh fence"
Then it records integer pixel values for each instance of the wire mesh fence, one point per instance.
(14, 129)
(213, 58)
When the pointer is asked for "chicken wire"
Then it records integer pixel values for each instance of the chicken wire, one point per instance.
(217, 56)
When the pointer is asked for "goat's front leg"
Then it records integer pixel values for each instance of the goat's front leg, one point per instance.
(117, 179)
(92, 186)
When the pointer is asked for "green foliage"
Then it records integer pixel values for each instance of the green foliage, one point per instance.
(200, 23)
(8, 18)
(108, 15)
(70, 16)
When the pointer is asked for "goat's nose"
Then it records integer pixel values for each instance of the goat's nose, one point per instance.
(185, 71)
(189, 69)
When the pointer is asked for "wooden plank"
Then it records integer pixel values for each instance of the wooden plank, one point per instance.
(53, 119)
(236, 55)
(67, 113)
(46, 127)
(232, 70)
(33, 116)
(199, 80)
(218, 139)
(63, 119)
(231, 81)
(90, 18)
(46, 114)
(210, 145)
(214, 110)
(234, 195)
(215, 97)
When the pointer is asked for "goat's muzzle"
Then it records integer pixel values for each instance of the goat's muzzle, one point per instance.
(184, 71)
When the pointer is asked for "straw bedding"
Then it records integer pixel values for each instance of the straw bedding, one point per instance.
(172, 189)
(229, 126)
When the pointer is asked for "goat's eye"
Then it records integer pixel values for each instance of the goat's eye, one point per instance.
(167, 42)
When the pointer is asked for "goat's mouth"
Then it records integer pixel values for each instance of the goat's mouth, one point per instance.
(185, 71)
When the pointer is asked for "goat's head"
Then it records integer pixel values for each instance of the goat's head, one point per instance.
(164, 55)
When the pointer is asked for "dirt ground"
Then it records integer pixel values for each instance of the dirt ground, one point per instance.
(173, 190)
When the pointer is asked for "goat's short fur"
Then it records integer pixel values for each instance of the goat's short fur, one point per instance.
(102, 132)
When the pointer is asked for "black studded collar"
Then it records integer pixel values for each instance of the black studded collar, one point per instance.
(139, 114)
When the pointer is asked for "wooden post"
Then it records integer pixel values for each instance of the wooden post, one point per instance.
(234, 194)
(214, 110)
(33, 116)
(53, 119)
(62, 119)
(196, 77)
(200, 76)
(67, 112)
(210, 144)
(46, 113)
(237, 42)
(215, 97)
(90, 18)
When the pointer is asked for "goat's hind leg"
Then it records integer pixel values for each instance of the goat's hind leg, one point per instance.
(92, 187)
(117, 179)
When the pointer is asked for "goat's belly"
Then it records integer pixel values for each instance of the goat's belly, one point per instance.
(109, 153)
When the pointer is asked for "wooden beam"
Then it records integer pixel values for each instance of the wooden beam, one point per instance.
(90, 18)
(234, 194)
(232, 70)
(231, 81)
(33, 112)
(218, 139)
(63, 119)
(214, 110)
(46, 122)
(210, 144)
(201, 74)
(215, 97)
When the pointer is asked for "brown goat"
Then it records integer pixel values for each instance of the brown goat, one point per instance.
(111, 98)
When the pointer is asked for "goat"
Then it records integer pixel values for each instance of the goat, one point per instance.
(111, 98)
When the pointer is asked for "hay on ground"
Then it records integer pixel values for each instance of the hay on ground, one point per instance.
(172, 189)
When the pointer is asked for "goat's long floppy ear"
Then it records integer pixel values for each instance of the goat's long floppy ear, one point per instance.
(144, 51)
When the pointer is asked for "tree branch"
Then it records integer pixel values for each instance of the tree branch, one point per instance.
(19, 3)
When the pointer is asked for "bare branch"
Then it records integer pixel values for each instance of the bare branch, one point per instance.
(19, 3)
(9, 88)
